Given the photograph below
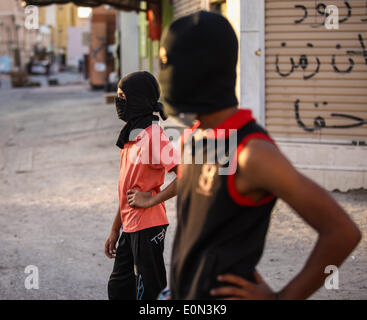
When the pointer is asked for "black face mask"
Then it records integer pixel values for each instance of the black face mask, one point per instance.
(121, 108)
(190, 48)
(142, 92)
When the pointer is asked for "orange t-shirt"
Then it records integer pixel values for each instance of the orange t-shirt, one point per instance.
(143, 164)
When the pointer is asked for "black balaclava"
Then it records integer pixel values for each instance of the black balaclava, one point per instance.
(142, 92)
(198, 64)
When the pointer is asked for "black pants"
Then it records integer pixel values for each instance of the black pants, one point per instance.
(139, 272)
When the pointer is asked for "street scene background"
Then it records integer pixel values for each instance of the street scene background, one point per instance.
(59, 164)
(59, 170)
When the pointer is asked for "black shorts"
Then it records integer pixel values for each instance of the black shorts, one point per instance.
(139, 272)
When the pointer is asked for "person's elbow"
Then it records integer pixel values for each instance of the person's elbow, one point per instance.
(343, 232)
(351, 235)
(356, 235)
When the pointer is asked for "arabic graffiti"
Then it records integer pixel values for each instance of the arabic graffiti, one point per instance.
(320, 122)
(308, 62)
(102, 46)
(363, 52)
(303, 61)
(305, 13)
(320, 9)
(365, 19)
(335, 67)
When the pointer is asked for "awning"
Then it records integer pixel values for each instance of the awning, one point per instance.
(118, 4)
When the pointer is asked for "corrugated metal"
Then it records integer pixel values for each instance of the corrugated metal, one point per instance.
(316, 79)
(184, 7)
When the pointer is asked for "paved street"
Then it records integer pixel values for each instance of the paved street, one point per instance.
(58, 195)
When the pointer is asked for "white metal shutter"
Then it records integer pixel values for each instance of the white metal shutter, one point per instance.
(316, 79)
(185, 7)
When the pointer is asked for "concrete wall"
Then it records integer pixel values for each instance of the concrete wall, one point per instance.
(336, 167)
(247, 18)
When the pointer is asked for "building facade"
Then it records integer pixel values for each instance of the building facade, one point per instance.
(16, 42)
(64, 33)
(303, 72)
(101, 50)
(140, 34)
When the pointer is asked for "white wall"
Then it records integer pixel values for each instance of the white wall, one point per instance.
(129, 28)
(335, 167)
(75, 47)
(247, 18)
(50, 15)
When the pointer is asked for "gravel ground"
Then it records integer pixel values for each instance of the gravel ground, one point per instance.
(58, 196)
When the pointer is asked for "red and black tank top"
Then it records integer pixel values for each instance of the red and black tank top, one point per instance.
(218, 230)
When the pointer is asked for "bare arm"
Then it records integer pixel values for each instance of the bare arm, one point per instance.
(338, 235)
(165, 194)
(110, 244)
(116, 225)
(263, 168)
(140, 199)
